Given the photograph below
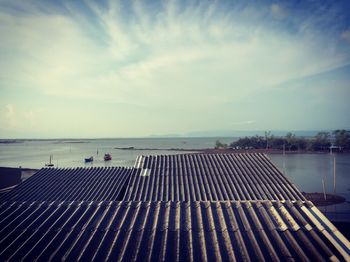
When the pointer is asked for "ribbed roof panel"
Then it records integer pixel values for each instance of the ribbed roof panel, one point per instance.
(73, 184)
(252, 230)
(209, 177)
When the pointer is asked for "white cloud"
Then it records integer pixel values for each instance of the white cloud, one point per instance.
(8, 116)
(10, 110)
(157, 61)
(244, 123)
(192, 58)
(278, 12)
(15, 118)
(346, 35)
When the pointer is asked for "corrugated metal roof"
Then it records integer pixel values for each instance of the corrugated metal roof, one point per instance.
(73, 184)
(85, 220)
(209, 177)
(237, 230)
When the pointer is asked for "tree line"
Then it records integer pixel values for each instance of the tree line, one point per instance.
(338, 139)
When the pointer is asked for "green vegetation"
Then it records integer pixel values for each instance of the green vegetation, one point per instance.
(219, 145)
(338, 139)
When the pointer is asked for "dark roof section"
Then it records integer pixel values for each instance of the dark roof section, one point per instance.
(73, 184)
(250, 230)
(209, 177)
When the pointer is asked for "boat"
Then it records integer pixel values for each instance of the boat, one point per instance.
(90, 159)
(50, 163)
(107, 157)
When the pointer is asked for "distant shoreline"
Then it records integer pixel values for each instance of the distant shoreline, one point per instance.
(10, 141)
(223, 151)
(131, 148)
(55, 141)
(268, 151)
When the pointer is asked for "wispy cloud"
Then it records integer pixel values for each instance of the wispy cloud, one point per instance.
(346, 35)
(244, 123)
(167, 54)
(10, 118)
(277, 11)
(176, 47)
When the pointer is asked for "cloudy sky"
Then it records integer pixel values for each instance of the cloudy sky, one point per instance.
(139, 68)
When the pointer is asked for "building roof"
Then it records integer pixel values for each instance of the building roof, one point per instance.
(179, 207)
(209, 177)
(73, 184)
(229, 230)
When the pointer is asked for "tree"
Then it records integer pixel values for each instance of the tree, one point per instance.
(219, 145)
(301, 143)
(256, 142)
(277, 142)
(267, 137)
(342, 138)
(241, 143)
(290, 141)
(321, 141)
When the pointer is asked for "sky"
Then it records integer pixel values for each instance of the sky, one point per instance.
(95, 69)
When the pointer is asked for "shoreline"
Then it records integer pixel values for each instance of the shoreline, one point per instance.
(225, 151)
(318, 199)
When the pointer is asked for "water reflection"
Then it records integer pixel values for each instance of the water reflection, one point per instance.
(306, 171)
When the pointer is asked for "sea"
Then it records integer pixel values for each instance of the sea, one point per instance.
(306, 171)
(72, 152)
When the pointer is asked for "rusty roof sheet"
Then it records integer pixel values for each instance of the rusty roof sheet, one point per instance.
(228, 230)
(209, 177)
(73, 184)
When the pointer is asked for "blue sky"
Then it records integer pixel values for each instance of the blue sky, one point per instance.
(138, 68)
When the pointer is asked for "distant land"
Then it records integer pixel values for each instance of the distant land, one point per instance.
(236, 133)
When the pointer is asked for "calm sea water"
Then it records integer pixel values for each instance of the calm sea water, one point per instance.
(34, 154)
(305, 170)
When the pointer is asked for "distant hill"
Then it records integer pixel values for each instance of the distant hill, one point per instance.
(223, 133)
